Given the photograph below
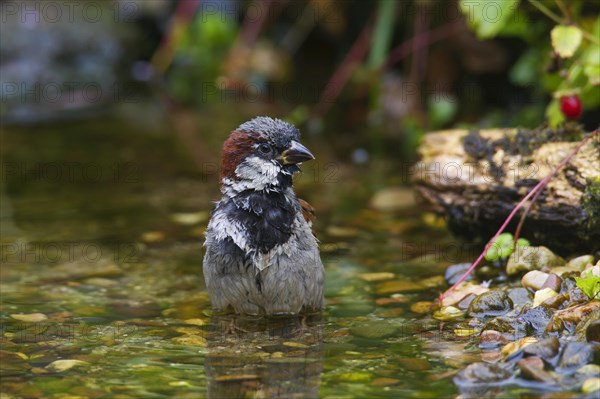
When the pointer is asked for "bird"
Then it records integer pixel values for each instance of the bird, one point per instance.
(261, 255)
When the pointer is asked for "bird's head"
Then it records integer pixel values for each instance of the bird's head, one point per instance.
(261, 154)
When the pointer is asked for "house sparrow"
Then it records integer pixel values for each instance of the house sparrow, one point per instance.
(261, 255)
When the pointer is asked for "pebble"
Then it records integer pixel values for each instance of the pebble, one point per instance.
(576, 354)
(64, 364)
(377, 329)
(421, 307)
(520, 296)
(546, 349)
(466, 302)
(394, 286)
(447, 313)
(462, 290)
(592, 332)
(454, 272)
(580, 262)
(512, 347)
(532, 368)
(589, 369)
(376, 276)
(391, 301)
(491, 303)
(491, 338)
(30, 317)
(542, 295)
(532, 258)
(575, 313)
(357, 376)
(538, 280)
(591, 385)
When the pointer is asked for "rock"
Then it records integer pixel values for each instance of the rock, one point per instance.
(466, 302)
(580, 262)
(393, 300)
(392, 199)
(357, 376)
(586, 321)
(534, 279)
(377, 329)
(462, 290)
(491, 339)
(589, 369)
(30, 318)
(575, 355)
(513, 347)
(394, 286)
(538, 318)
(590, 385)
(576, 313)
(454, 272)
(542, 295)
(564, 271)
(483, 373)
(592, 332)
(553, 282)
(447, 313)
(491, 303)
(546, 349)
(65, 364)
(520, 296)
(433, 282)
(376, 276)
(556, 301)
(422, 307)
(384, 382)
(512, 328)
(532, 368)
(532, 258)
(414, 363)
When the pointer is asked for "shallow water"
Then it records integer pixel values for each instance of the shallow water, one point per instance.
(102, 225)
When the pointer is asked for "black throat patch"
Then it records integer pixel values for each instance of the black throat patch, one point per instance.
(267, 216)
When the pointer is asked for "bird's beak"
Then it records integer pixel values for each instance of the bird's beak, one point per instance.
(296, 154)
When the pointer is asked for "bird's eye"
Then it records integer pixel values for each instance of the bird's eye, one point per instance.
(264, 148)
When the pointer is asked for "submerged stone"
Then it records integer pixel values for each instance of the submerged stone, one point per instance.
(546, 349)
(376, 329)
(489, 304)
(483, 373)
(520, 296)
(454, 272)
(538, 319)
(575, 355)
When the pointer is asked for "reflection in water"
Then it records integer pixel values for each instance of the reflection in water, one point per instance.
(264, 358)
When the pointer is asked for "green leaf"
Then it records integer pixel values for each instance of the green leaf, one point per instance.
(501, 248)
(589, 285)
(487, 18)
(566, 40)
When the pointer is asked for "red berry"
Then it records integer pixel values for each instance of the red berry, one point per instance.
(571, 106)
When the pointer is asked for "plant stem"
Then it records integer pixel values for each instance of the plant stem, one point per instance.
(547, 12)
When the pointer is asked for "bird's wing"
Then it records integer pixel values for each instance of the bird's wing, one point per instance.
(307, 211)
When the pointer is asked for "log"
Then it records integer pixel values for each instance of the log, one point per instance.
(475, 178)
